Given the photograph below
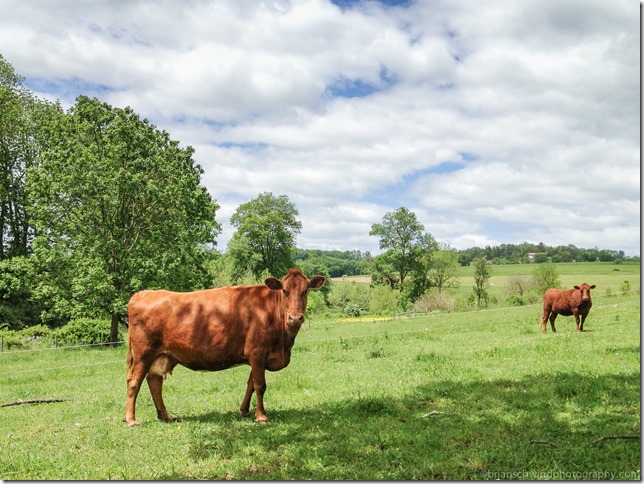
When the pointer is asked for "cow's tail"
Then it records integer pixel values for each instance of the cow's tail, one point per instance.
(130, 357)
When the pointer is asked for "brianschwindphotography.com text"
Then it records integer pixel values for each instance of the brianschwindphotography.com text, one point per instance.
(559, 475)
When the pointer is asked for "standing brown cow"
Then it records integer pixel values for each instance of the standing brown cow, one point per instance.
(571, 302)
(214, 330)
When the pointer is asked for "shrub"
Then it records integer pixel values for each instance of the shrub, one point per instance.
(26, 338)
(384, 300)
(353, 310)
(84, 331)
(435, 302)
(515, 301)
(11, 340)
(544, 277)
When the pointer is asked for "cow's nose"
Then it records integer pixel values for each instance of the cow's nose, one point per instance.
(296, 319)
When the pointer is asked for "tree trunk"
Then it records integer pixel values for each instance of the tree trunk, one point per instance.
(114, 330)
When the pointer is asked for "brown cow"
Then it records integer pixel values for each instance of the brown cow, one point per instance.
(213, 330)
(571, 302)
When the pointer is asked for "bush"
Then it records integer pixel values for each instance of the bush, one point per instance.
(544, 277)
(384, 300)
(435, 302)
(84, 331)
(515, 301)
(353, 310)
(11, 340)
(25, 339)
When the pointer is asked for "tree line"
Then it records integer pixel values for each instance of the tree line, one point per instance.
(528, 252)
(97, 203)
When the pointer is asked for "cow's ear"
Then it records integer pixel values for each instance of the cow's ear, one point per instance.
(274, 284)
(317, 282)
(593, 286)
(577, 287)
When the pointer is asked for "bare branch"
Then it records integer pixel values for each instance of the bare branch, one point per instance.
(36, 400)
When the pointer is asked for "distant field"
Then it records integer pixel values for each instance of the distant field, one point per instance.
(607, 272)
(608, 277)
(455, 396)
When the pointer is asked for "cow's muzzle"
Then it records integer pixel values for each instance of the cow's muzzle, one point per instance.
(295, 319)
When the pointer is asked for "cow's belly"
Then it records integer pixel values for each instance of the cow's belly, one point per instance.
(563, 311)
(212, 366)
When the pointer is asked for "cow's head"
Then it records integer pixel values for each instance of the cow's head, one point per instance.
(585, 291)
(294, 287)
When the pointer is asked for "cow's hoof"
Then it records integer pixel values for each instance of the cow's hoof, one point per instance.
(132, 423)
(261, 420)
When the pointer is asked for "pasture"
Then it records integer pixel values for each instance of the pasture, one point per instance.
(476, 395)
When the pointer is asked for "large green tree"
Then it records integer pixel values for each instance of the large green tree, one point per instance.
(18, 127)
(118, 207)
(267, 227)
(406, 244)
(443, 269)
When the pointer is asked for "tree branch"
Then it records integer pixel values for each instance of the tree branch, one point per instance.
(613, 437)
(36, 400)
(544, 442)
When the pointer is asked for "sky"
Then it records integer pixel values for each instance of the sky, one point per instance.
(496, 122)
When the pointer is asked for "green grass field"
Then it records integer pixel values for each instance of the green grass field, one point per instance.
(607, 276)
(476, 395)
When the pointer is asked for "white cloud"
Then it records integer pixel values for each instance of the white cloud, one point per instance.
(534, 102)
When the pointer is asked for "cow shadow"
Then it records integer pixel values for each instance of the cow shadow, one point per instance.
(439, 430)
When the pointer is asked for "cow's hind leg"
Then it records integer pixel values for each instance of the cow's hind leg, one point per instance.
(155, 383)
(134, 379)
(544, 319)
(161, 367)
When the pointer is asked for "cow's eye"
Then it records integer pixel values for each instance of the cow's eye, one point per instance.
(285, 292)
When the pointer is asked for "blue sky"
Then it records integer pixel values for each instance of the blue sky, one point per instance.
(495, 122)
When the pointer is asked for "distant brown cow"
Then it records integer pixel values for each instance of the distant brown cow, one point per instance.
(214, 330)
(572, 302)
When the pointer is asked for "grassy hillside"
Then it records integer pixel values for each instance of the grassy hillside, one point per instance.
(479, 395)
(608, 277)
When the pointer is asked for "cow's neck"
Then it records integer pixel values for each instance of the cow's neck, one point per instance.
(290, 333)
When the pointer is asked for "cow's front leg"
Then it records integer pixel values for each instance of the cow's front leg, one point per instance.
(259, 384)
(244, 409)
(576, 314)
(553, 316)
(583, 320)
